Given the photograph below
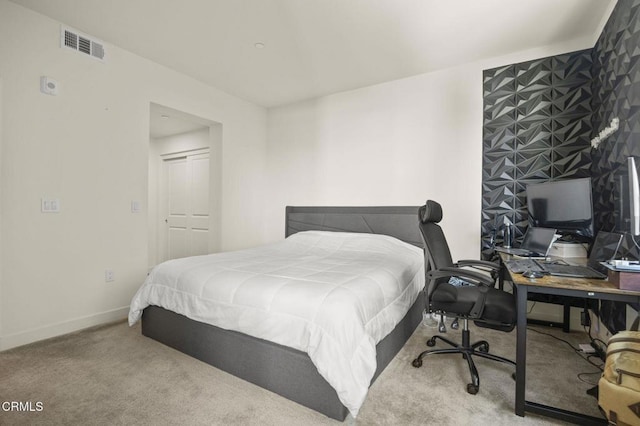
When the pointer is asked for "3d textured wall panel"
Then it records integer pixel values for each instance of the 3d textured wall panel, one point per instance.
(537, 128)
(616, 93)
(539, 119)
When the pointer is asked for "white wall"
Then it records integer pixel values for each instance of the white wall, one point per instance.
(397, 143)
(1, 192)
(382, 145)
(89, 147)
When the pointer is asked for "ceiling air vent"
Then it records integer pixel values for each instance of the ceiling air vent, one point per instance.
(72, 39)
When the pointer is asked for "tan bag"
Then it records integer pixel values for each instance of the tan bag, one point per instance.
(619, 386)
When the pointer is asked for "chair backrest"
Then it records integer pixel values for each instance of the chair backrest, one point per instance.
(437, 253)
(436, 250)
(437, 256)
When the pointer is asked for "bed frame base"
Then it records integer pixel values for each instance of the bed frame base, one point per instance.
(285, 371)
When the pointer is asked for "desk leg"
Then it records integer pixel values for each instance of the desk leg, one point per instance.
(521, 348)
(566, 318)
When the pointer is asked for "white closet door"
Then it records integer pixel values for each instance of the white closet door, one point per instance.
(186, 201)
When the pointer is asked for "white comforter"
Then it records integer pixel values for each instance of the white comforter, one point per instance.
(332, 295)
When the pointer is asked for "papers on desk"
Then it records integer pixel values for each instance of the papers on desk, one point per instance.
(622, 265)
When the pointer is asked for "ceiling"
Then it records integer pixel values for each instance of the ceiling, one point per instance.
(313, 48)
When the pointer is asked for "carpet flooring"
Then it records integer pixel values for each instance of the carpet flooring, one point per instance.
(112, 375)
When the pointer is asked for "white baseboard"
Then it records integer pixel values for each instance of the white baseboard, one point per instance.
(64, 327)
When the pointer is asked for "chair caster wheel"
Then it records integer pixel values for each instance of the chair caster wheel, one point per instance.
(472, 389)
(417, 363)
(483, 348)
(431, 342)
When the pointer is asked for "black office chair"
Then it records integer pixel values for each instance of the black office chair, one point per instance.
(477, 300)
(441, 258)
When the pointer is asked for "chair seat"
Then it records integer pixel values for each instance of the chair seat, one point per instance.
(499, 305)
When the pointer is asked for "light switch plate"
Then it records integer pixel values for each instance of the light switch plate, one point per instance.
(49, 205)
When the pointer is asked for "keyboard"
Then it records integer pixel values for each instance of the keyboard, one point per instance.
(519, 266)
(518, 252)
(575, 271)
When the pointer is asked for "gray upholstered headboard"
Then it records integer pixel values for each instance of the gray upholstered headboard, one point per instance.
(400, 222)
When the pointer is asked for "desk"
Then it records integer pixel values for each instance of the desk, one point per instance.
(561, 286)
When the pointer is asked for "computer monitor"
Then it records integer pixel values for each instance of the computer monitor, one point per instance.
(626, 211)
(634, 197)
(565, 205)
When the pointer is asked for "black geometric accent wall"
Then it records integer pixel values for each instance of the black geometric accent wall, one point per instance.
(539, 118)
(616, 93)
(537, 128)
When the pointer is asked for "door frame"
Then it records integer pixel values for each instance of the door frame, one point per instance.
(157, 148)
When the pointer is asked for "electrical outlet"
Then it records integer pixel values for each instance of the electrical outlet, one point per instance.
(109, 275)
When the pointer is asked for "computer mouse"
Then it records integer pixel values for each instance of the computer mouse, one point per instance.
(532, 274)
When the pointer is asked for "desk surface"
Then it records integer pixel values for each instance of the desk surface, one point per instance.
(581, 284)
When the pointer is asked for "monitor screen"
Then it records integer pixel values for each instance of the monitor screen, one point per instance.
(626, 198)
(565, 205)
(538, 240)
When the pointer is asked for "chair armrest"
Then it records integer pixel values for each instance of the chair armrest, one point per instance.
(484, 264)
(481, 281)
(492, 268)
(476, 278)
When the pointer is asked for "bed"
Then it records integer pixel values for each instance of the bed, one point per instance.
(301, 363)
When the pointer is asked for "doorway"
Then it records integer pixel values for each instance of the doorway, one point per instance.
(184, 197)
(184, 184)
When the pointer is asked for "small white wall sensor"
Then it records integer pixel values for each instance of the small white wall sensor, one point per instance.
(48, 86)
